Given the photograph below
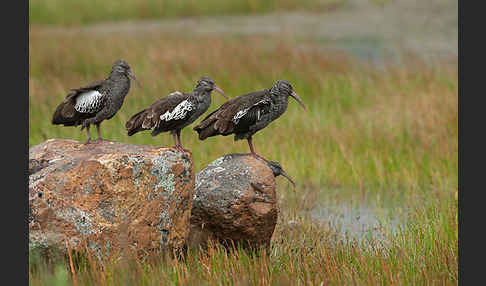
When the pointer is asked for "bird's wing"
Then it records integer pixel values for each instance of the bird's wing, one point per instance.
(169, 112)
(89, 101)
(228, 115)
(92, 86)
(86, 99)
(249, 116)
(243, 102)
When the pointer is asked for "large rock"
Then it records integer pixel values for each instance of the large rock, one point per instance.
(235, 202)
(109, 197)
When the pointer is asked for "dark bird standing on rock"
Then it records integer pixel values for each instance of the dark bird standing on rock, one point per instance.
(95, 102)
(246, 114)
(175, 111)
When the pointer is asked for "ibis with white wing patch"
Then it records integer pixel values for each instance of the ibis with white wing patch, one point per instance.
(174, 112)
(95, 102)
(246, 114)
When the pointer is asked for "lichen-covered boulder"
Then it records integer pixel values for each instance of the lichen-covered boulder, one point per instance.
(108, 197)
(235, 202)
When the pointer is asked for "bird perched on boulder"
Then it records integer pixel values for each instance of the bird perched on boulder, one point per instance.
(95, 102)
(246, 114)
(175, 111)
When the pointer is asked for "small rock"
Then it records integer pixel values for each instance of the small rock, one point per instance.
(108, 197)
(235, 202)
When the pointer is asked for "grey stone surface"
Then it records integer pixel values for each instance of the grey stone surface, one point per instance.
(108, 197)
(234, 202)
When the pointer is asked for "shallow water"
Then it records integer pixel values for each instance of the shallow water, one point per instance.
(362, 223)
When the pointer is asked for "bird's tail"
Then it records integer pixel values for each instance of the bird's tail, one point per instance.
(65, 114)
(135, 123)
(206, 129)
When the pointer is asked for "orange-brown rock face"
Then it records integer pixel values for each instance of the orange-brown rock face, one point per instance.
(108, 197)
(234, 202)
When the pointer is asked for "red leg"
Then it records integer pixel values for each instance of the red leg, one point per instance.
(99, 133)
(178, 132)
(89, 135)
(176, 146)
(250, 143)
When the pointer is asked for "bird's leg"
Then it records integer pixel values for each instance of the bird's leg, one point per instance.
(178, 133)
(175, 140)
(250, 143)
(89, 135)
(178, 138)
(98, 129)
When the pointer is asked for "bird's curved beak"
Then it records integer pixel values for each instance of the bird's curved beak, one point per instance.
(282, 172)
(278, 170)
(220, 91)
(132, 76)
(296, 96)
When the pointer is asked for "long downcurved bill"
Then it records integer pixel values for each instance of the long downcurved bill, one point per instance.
(220, 91)
(132, 76)
(296, 96)
(282, 172)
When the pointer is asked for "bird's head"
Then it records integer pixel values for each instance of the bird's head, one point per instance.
(122, 67)
(283, 87)
(208, 85)
(278, 170)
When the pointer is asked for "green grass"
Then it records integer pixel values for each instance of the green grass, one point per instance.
(73, 12)
(424, 252)
(387, 138)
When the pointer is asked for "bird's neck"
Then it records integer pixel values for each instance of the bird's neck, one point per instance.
(119, 77)
(202, 95)
(278, 98)
(117, 82)
(280, 102)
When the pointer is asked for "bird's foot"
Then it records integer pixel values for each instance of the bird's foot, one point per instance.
(179, 148)
(259, 157)
(100, 140)
(89, 141)
(186, 150)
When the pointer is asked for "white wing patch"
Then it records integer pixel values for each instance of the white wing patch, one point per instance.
(176, 93)
(179, 112)
(242, 113)
(88, 102)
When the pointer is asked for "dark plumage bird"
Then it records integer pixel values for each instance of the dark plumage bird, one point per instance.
(95, 102)
(175, 111)
(246, 114)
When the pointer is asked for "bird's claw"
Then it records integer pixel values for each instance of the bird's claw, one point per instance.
(186, 150)
(179, 148)
(259, 157)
